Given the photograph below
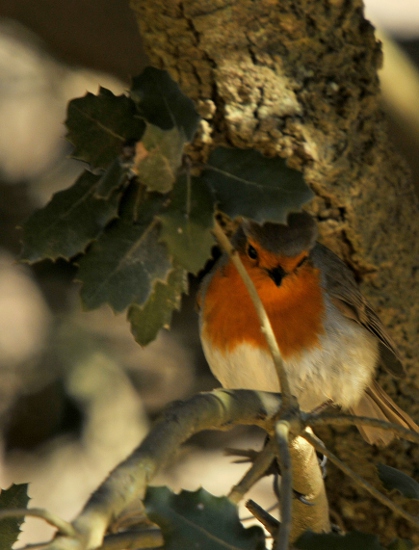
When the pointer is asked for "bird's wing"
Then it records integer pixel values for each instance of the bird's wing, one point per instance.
(346, 296)
(375, 403)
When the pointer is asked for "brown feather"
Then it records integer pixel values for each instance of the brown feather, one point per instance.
(346, 296)
(376, 403)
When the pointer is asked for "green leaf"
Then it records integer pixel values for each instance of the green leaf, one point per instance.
(147, 320)
(187, 223)
(112, 179)
(351, 541)
(395, 479)
(14, 497)
(158, 157)
(400, 544)
(69, 222)
(125, 263)
(248, 184)
(162, 103)
(199, 520)
(99, 126)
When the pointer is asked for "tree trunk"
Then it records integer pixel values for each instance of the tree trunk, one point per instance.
(298, 78)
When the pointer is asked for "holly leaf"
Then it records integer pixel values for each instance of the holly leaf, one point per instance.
(16, 496)
(99, 126)
(395, 479)
(246, 183)
(161, 102)
(200, 520)
(187, 223)
(147, 320)
(125, 263)
(69, 222)
(112, 179)
(332, 541)
(158, 157)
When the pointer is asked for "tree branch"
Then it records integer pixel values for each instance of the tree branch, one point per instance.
(350, 419)
(135, 540)
(258, 469)
(319, 446)
(282, 432)
(220, 409)
(270, 523)
(64, 528)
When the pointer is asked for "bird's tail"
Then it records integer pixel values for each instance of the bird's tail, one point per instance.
(375, 403)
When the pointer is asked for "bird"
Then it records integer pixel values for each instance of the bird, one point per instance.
(330, 339)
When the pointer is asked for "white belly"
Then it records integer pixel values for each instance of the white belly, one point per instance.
(339, 369)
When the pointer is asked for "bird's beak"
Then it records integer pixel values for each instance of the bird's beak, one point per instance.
(276, 274)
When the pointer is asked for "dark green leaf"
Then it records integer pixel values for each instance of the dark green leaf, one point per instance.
(158, 156)
(112, 179)
(351, 541)
(248, 184)
(187, 223)
(199, 520)
(99, 126)
(162, 103)
(147, 320)
(400, 544)
(14, 497)
(69, 222)
(125, 263)
(395, 479)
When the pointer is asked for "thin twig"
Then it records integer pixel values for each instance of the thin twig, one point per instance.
(259, 467)
(126, 540)
(266, 326)
(350, 419)
(270, 523)
(319, 446)
(281, 437)
(135, 539)
(219, 409)
(64, 527)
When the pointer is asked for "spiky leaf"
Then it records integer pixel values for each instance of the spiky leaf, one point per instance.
(162, 103)
(199, 520)
(125, 263)
(248, 184)
(69, 222)
(158, 157)
(187, 223)
(112, 179)
(395, 479)
(156, 313)
(99, 126)
(16, 496)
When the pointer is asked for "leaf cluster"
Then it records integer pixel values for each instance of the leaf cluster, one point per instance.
(188, 517)
(136, 222)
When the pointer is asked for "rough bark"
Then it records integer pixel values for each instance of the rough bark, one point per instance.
(298, 78)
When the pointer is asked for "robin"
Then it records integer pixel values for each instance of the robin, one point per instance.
(330, 339)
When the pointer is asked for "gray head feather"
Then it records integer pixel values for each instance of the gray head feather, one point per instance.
(300, 233)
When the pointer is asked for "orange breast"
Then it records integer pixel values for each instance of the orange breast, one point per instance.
(295, 309)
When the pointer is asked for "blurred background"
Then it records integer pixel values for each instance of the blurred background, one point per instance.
(77, 394)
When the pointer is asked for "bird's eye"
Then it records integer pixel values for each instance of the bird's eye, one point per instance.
(252, 252)
(301, 262)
